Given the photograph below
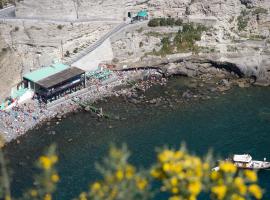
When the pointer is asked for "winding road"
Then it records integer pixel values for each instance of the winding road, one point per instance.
(8, 14)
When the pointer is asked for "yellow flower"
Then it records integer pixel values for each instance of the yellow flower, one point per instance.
(165, 156)
(48, 197)
(114, 193)
(256, 191)
(96, 187)
(195, 188)
(239, 183)
(177, 167)
(33, 193)
(174, 181)
(7, 197)
(227, 167)
(130, 170)
(55, 178)
(178, 155)
(237, 197)
(119, 175)
(206, 166)
(83, 196)
(45, 162)
(116, 153)
(250, 175)
(214, 175)
(155, 173)
(167, 167)
(175, 190)
(175, 198)
(54, 159)
(141, 183)
(192, 197)
(219, 191)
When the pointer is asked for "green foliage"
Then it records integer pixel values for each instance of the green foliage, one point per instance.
(154, 22)
(60, 27)
(259, 10)
(176, 174)
(242, 22)
(184, 40)
(179, 22)
(165, 22)
(120, 180)
(243, 19)
(4, 3)
(45, 182)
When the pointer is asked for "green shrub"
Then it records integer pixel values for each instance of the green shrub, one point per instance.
(163, 22)
(242, 22)
(259, 10)
(170, 22)
(60, 27)
(154, 22)
(178, 22)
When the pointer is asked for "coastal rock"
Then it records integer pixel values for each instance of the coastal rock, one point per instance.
(187, 94)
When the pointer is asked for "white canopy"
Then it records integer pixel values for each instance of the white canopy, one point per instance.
(242, 158)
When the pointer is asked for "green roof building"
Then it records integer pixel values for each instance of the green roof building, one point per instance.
(55, 81)
(142, 13)
(45, 72)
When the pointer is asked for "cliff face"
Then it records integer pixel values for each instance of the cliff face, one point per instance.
(71, 9)
(9, 69)
(36, 43)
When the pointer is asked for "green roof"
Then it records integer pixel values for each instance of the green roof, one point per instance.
(45, 72)
(142, 13)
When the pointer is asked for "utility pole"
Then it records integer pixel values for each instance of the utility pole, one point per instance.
(62, 50)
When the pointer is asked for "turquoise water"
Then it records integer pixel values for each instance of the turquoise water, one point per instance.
(237, 122)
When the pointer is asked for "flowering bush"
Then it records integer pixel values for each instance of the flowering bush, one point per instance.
(176, 174)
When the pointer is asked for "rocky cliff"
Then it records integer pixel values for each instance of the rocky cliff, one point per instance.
(238, 31)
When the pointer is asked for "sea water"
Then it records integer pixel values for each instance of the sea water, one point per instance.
(235, 122)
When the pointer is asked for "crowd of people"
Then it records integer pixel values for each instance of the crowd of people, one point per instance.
(21, 118)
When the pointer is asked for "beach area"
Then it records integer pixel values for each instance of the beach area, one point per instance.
(22, 118)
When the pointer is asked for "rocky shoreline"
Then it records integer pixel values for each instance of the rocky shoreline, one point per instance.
(131, 85)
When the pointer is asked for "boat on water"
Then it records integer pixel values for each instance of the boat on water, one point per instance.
(245, 161)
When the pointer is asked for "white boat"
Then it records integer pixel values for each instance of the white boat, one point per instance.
(244, 161)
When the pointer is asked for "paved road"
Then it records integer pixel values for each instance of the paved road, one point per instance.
(8, 12)
(96, 44)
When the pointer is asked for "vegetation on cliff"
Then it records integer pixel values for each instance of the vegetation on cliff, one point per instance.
(155, 22)
(4, 3)
(184, 40)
